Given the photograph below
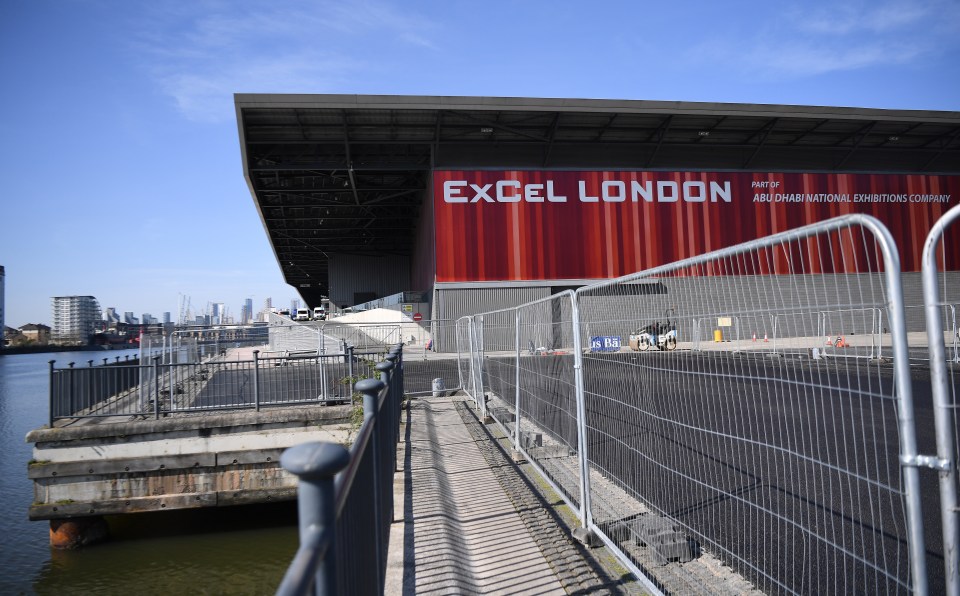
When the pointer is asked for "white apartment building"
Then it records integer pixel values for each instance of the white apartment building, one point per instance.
(74, 318)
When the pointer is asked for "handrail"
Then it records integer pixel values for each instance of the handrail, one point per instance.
(328, 475)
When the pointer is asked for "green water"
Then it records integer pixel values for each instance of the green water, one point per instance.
(239, 550)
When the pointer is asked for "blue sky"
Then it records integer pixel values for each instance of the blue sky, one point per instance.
(119, 150)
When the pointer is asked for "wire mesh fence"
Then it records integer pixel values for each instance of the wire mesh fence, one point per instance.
(940, 260)
(751, 406)
(547, 393)
(757, 455)
(430, 348)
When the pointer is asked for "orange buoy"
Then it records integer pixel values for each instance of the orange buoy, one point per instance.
(77, 532)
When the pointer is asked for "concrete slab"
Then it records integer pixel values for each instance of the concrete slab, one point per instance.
(459, 531)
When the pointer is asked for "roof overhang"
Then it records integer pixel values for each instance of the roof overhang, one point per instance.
(348, 173)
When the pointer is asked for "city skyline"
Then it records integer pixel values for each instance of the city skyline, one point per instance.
(237, 317)
(141, 198)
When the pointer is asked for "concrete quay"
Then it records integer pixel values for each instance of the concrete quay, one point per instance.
(82, 472)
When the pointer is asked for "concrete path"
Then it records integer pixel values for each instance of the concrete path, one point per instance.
(456, 531)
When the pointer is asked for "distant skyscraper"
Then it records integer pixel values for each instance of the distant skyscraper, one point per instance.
(267, 307)
(294, 305)
(218, 313)
(111, 316)
(247, 315)
(166, 318)
(74, 318)
(148, 319)
(129, 319)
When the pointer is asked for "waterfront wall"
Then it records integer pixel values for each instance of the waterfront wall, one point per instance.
(209, 460)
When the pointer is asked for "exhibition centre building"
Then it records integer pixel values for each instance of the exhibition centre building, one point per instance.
(486, 202)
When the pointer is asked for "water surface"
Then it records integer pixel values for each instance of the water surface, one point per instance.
(237, 550)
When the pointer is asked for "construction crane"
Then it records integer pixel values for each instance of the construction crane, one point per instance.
(184, 316)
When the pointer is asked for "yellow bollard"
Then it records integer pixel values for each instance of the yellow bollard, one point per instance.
(717, 335)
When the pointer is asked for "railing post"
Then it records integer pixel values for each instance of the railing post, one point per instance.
(370, 388)
(943, 409)
(156, 387)
(396, 379)
(586, 514)
(480, 361)
(256, 380)
(70, 393)
(88, 394)
(52, 399)
(385, 369)
(516, 397)
(397, 374)
(315, 465)
(350, 370)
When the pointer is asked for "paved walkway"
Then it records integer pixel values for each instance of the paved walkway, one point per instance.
(456, 529)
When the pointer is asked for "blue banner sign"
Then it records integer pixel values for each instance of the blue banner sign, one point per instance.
(605, 343)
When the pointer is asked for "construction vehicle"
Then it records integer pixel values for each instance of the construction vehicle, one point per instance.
(663, 336)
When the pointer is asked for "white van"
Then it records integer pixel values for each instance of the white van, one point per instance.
(303, 314)
(319, 313)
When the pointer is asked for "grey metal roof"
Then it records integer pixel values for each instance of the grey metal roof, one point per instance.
(347, 173)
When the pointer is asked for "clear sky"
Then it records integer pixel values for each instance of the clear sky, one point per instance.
(119, 154)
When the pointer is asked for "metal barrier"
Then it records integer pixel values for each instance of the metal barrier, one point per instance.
(94, 391)
(797, 470)
(919, 342)
(120, 390)
(756, 457)
(429, 346)
(195, 344)
(944, 387)
(345, 498)
(289, 336)
(203, 369)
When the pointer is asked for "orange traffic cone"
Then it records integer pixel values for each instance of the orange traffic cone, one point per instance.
(754, 336)
(765, 338)
(829, 341)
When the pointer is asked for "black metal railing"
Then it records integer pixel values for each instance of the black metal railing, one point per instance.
(346, 497)
(90, 390)
(156, 388)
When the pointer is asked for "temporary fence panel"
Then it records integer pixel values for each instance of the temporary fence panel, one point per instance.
(465, 356)
(783, 463)
(499, 366)
(547, 393)
(523, 372)
(288, 336)
(941, 335)
(428, 365)
(366, 335)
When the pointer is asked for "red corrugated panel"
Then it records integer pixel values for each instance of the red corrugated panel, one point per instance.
(508, 225)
